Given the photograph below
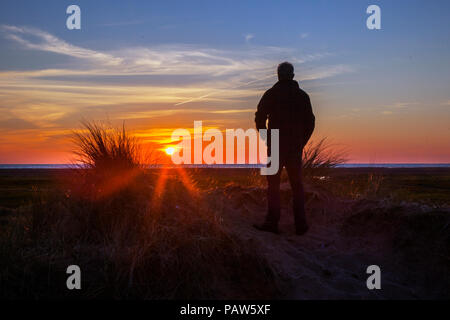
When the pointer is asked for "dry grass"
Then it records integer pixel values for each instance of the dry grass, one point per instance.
(130, 240)
(102, 147)
(319, 157)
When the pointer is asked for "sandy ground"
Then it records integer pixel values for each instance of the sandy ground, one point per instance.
(330, 261)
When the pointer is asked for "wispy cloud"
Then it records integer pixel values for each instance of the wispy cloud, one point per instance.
(233, 111)
(325, 72)
(123, 23)
(401, 105)
(138, 84)
(398, 107)
(248, 37)
(164, 59)
(217, 71)
(304, 35)
(36, 39)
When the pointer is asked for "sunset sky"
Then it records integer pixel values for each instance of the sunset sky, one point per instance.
(384, 95)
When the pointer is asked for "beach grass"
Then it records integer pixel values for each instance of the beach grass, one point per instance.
(179, 233)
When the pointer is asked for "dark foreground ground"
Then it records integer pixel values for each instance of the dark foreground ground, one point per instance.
(398, 219)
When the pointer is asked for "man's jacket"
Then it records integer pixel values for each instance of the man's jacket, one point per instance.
(288, 108)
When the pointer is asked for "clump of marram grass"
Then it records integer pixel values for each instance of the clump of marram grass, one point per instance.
(319, 157)
(133, 236)
(103, 147)
(108, 158)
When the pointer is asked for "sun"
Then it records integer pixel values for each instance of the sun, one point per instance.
(170, 150)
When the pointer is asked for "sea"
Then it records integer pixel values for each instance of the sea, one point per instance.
(244, 166)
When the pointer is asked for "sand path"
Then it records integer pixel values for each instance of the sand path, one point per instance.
(326, 263)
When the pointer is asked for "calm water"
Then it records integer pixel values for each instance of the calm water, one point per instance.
(347, 165)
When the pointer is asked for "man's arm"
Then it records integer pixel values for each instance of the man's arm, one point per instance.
(310, 121)
(262, 111)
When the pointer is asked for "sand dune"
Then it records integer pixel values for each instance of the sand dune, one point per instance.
(345, 237)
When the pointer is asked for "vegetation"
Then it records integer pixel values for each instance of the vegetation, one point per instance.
(156, 234)
(319, 157)
(130, 239)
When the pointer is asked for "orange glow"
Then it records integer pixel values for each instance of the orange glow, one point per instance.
(159, 188)
(39, 129)
(188, 183)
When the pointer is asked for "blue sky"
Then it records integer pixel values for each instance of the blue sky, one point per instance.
(382, 94)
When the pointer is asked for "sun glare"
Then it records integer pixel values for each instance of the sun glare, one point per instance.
(170, 150)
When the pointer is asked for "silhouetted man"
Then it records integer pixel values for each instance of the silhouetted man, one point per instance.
(288, 108)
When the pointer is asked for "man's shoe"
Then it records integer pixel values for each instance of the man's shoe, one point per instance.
(301, 230)
(266, 227)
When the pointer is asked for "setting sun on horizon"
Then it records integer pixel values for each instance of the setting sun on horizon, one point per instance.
(170, 150)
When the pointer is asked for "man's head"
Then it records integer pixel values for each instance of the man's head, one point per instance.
(285, 71)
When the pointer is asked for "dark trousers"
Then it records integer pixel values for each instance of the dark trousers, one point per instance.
(293, 166)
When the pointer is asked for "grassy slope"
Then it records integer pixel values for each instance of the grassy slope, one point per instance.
(32, 261)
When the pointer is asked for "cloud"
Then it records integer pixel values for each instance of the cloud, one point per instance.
(248, 37)
(137, 83)
(397, 107)
(304, 35)
(123, 23)
(16, 124)
(233, 111)
(325, 72)
(36, 39)
(243, 65)
(401, 105)
(165, 59)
